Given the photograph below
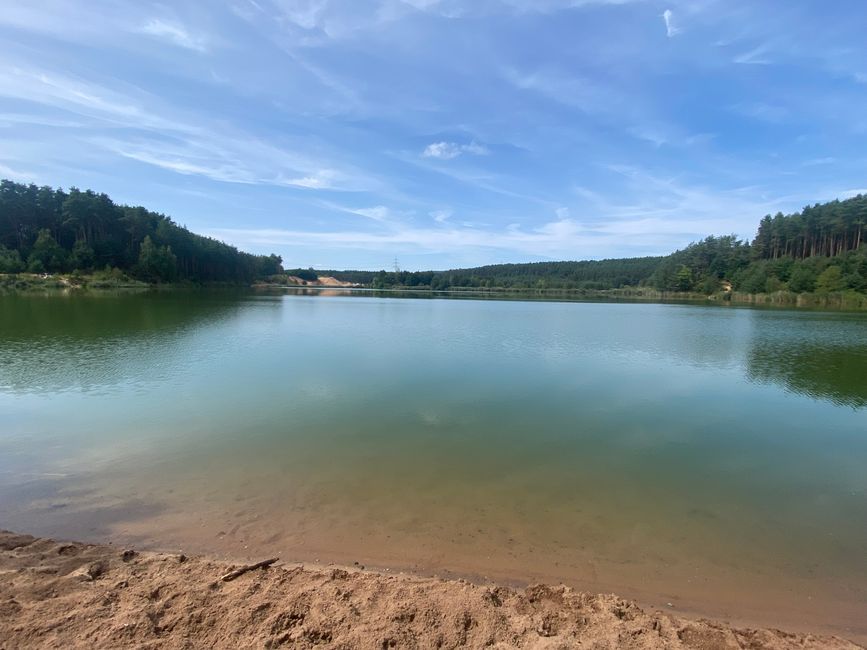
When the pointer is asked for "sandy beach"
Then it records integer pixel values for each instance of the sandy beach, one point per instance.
(57, 594)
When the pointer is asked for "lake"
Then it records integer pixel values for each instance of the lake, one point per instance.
(705, 459)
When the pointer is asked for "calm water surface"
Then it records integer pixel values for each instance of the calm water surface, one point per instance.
(711, 458)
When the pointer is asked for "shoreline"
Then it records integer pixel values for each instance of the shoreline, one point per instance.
(837, 302)
(833, 302)
(795, 606)
(60, 594)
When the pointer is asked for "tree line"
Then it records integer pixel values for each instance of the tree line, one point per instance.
(48, 230)
(819, 249)
(588, 274)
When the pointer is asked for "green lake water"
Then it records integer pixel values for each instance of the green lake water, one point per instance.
(705, 459)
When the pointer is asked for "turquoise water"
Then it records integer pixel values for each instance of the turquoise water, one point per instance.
(712, 458)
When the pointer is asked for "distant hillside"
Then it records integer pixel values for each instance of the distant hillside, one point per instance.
(816, 250)
(592, 274)
(47, 230)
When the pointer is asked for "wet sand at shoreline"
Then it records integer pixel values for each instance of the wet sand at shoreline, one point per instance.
(57, 594)
(680, 568)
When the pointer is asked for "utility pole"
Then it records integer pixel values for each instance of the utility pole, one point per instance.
(396, 267)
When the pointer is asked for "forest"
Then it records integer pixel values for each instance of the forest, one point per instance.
(818, 249)
(590, 274)
(47, 230)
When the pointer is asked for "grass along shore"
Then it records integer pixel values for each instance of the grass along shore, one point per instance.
(100, 280)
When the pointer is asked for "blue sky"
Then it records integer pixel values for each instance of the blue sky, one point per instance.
(443, 133)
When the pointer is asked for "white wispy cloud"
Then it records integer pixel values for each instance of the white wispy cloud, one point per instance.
(528, 6)
(450, 150)
(14, 119)
(480, 180)
(553, 239)
(669, 204)
(320, 180)
(569, 89)
(558, 239)
(377, 213)
(173, 33)
(17, 174)
(307, 14)
(756, 56)
(223, 173)
(58, 19)
(78, 96)
(665, 214)
(442, 150)
(230, 160)
(649, 134)
(336, 20)
(141, 129)
(671, 29)
(476, 149)
(422, 4)
(606, 103)
(323, 22)
(440, 216)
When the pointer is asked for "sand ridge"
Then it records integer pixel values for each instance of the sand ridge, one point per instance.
(62, 595)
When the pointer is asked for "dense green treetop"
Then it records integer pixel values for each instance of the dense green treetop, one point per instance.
(48, 230)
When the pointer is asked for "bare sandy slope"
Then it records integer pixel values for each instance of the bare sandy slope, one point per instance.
(61, 595)
(321, 281)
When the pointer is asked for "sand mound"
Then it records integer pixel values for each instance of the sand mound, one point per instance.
(321, 281)
(62, 595)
